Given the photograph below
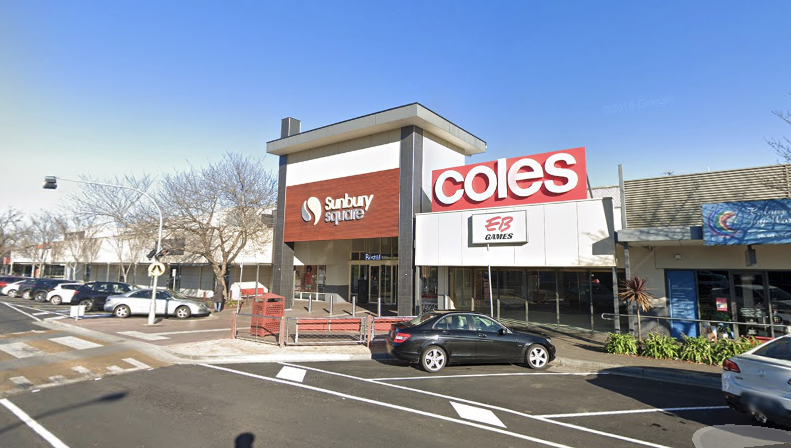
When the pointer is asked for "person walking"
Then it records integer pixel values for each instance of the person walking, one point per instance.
(218, 298)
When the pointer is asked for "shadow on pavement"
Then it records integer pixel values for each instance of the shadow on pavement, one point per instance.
(105, 399)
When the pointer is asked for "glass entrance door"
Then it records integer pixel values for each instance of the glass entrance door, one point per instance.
(387, 284)
(370, 282)
(751, 303)
(374, 286)
(358, 283)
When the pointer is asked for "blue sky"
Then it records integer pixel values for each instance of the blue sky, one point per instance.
(109, 88)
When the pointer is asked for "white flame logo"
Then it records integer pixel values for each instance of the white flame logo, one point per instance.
(311, 206)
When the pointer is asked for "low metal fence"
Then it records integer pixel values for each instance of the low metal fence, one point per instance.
(735, 328)
(258, 328)
(325, 330)
(381, 325)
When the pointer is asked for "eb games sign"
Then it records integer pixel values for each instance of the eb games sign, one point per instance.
(547, 177)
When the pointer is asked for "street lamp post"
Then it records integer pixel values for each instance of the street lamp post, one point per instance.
(51, 183)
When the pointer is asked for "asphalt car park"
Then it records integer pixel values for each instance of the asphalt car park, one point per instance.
(369, 402)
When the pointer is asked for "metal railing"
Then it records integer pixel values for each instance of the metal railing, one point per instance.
(325, 330)
(257, 328)
(381, 325)
(727, 324)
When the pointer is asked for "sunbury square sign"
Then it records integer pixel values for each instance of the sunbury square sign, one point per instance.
(547, 177)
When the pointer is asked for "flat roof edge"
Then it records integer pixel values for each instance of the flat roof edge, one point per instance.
(386, 120)
(656, 234)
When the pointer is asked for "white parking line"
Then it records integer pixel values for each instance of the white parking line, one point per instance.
(431, 377)
(634, 411)
(15, 308)
(389, 405)
(34, 425)
(496, 408)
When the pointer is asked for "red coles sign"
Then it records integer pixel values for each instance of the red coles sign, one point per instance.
(548, 177)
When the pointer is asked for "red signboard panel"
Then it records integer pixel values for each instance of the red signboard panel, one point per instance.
(363, 206)
(547, 177)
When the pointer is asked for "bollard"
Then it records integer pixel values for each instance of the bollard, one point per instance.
(354, 306)
(310, 304)
(331, 305)
(379, 307)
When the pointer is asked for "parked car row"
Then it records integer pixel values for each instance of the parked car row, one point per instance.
(120, 299)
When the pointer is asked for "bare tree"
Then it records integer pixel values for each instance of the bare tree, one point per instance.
(220, 210)
(782, 146)
(38, 240)
(132, 218)
(121, 208)
(129, 247)
(11, 230)
(80, 244)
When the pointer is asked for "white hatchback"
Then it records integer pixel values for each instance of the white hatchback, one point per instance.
(758, 382)
(62, 293)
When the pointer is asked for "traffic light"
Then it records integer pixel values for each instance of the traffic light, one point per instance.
(50, 183)
(154, 254)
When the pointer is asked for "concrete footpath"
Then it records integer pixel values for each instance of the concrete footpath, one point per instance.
(208, 340)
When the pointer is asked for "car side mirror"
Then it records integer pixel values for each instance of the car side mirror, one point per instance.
(503, 331)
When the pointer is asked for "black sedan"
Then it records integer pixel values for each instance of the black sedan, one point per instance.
(438, 338)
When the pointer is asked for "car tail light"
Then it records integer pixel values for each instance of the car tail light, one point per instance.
(401, 337)
(731, 366)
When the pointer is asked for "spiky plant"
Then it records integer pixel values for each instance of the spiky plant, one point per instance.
(635, 290)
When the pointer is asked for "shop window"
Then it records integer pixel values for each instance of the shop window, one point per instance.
(714, 295)
(429, 298)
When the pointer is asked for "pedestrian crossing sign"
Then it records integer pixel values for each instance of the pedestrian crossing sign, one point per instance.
(156, 269)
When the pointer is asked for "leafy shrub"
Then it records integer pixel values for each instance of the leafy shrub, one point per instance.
(724, 349)
(697, 350)
(620, 344)
(660, 346)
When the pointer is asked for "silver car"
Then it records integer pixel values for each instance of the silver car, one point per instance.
(168, 303)
(758, 382)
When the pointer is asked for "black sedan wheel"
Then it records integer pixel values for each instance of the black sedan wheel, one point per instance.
(537, 357)
(41, 296)
(433, 359)
(122, 311)
(183, 312)
(87, 303)
(27, 295)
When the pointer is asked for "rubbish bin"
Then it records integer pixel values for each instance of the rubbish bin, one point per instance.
(270, 305)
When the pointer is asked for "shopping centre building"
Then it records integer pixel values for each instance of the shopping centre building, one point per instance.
(386, 208)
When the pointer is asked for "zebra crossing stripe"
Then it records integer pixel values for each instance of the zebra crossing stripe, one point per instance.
(75, 343)
(136, 363)
(21, 381)
(81, 370)
(20, 350)
(115, 369)
(144, 336)
(57, 379)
